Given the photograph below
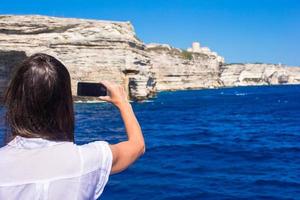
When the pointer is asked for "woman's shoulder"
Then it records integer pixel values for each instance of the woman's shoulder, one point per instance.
(95, 155)
(99, 146)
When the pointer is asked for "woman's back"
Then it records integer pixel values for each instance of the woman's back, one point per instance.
(41, 160)
(35, 168)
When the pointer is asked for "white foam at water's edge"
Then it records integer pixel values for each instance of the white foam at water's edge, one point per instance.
(93, 101)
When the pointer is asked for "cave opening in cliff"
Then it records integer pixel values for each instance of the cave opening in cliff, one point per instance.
(9, 61)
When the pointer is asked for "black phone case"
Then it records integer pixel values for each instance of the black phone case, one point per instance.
(91, 89)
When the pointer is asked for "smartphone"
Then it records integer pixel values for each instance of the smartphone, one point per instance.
(91, 89)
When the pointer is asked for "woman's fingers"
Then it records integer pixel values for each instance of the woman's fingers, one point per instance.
(105, 98)
(116, 93)
(107, 84)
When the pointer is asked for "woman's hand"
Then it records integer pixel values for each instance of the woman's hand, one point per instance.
(115, 94)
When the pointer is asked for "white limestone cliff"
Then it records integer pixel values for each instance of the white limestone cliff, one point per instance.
(92, 50)
(258, 74)
(95, 50)
(177, 69)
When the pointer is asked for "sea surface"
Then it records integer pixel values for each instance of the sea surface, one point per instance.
(234, 143)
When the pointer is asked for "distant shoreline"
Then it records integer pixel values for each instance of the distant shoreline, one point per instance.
(94, 50)
(190, 89)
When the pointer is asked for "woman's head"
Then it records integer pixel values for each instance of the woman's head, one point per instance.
(39, 100)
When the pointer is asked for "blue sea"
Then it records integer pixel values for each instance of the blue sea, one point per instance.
(234, 143)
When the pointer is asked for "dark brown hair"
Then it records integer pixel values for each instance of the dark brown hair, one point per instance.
(39, 100)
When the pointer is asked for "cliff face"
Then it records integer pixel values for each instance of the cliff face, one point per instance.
(258, 74)
(94, 50)
(176, 69)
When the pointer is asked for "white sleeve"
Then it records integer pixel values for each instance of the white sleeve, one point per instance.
(105, 168)
(97, 157)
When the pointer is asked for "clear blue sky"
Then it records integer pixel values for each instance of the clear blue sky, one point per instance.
(240, 30)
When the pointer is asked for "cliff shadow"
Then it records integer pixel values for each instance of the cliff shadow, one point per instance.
(9, 60)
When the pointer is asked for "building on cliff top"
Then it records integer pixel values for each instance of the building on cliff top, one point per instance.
(196, 48)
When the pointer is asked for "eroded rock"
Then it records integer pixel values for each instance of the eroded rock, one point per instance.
(95, 50)
(259, 74)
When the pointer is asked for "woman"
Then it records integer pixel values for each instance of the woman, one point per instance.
(40, 160)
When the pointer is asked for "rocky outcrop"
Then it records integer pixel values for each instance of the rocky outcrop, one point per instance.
(258, 74)
(95, 50)
(177, 69)
(92, 50)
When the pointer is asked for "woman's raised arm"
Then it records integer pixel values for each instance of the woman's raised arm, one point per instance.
(126, 152)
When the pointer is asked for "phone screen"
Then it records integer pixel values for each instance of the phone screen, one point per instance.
(91, 89)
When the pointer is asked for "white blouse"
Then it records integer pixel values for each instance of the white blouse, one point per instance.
(35, 168)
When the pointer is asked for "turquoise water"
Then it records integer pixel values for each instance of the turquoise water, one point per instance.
(235, 143)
